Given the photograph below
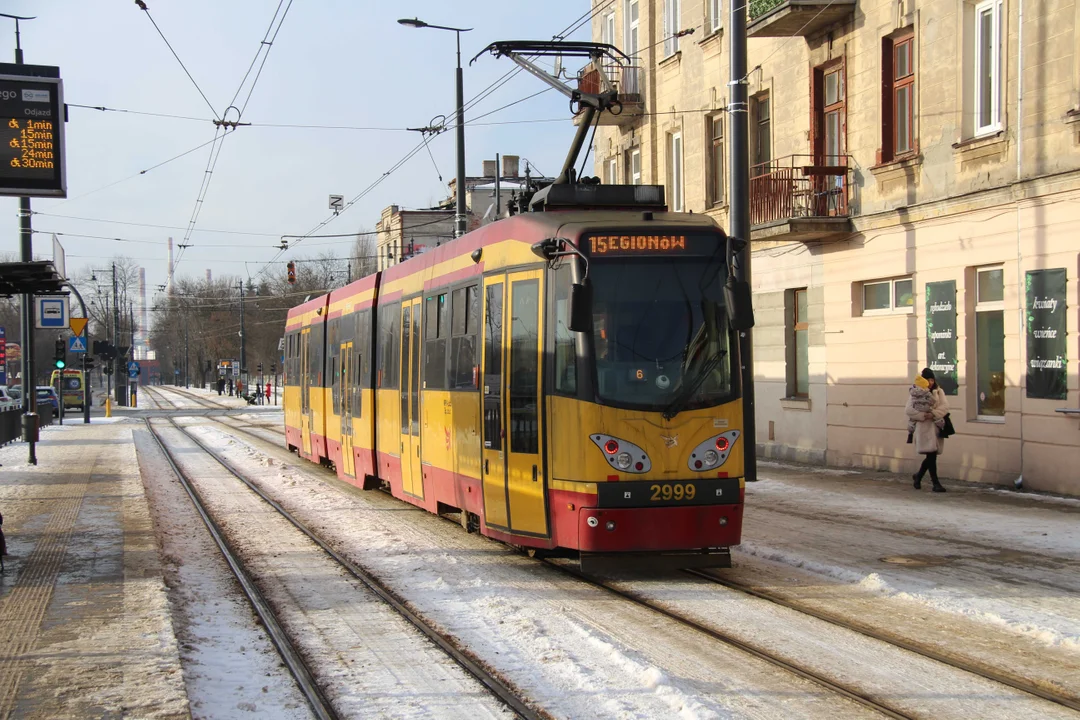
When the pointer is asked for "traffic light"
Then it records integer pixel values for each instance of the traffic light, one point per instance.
(60, 357)
(292, 272)
(88, 362)
(258, 368)
(273, 368)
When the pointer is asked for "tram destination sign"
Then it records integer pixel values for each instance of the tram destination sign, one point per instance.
(652, 244)
(31, 132)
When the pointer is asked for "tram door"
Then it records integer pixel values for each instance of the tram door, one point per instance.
(514, 496)
(305, 390)
(348, 460)
(412, 479)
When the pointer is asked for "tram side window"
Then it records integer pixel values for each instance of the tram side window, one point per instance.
(464, 321)
(362, 349)
(436, 331)
(389, 346)
(333, 353)
(316, 344)
(565, 345)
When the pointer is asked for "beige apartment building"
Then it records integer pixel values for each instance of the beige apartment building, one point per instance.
(915, 200)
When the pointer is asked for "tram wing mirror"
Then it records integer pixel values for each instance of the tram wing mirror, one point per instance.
(580, 312)
(739, 304)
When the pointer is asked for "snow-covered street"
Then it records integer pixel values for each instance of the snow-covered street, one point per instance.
(983, 579)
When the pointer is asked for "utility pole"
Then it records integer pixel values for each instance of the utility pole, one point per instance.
(116, 334)
(243, 357)
(26, 238)
(187, 354)
(739, 181)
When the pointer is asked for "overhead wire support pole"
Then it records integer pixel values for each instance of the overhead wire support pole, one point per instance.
(26, 247)
(739, 181)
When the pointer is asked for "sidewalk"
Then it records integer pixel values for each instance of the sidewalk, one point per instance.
(85, 629)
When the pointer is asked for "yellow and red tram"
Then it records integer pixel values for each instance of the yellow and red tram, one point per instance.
(455, 380)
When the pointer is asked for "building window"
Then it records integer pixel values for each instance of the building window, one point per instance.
(898, 98)
(607, 28)
(829, 119)
(715, 127)
(630, 23)
(761, 132)
(671, 26)
(712, 15)
(675, 170)
(987, 79)
(612, 172)
(798, 343)
(990, 341)
(633, 167)
(887, 296)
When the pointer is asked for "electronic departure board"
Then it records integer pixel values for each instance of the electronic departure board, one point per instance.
(31, 135)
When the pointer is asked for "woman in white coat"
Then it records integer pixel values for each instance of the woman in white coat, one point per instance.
(927, 435)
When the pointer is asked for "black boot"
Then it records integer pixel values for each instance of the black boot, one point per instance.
(938, 487)
(918, 481)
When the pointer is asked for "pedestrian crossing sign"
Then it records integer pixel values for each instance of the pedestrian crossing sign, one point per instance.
(76, 344)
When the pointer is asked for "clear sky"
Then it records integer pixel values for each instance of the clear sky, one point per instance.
(334, 62)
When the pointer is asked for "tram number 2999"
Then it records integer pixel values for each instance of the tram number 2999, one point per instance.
(672, 491)
(646, 493)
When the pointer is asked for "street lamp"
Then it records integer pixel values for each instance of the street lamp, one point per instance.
(460, 219)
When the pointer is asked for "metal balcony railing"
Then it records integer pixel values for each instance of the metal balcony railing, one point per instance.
(800, 186)
(627, 80)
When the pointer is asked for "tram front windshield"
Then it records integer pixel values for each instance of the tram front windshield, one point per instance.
(661, 340)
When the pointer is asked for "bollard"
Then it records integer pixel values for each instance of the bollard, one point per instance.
(108, 408)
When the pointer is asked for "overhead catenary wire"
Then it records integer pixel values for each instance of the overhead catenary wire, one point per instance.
(142, 6)
(573, 27)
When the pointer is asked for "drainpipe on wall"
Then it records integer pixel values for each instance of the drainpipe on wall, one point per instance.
(1021, 290)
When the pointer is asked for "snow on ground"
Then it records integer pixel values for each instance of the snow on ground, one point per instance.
(567, 644)
(575, 650)
(231, 669)
(1004, 560)
(370, 661)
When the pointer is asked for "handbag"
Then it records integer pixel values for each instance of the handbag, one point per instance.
(948, 429)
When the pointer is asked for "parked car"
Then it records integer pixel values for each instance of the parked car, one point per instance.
(46, 395)
(7, 400)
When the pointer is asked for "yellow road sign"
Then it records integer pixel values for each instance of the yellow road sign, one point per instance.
(77, 325)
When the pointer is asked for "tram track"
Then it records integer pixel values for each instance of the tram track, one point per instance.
(845, 689)
(296, 665)
(972, 667)
(499, 688)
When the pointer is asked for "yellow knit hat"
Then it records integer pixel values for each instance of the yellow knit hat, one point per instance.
(922, 382)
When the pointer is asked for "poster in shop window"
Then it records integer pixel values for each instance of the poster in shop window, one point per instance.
(1046, 336)
(941, 333)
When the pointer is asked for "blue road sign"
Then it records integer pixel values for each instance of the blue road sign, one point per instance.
(133, 369)
(76, 344)
(52, 312)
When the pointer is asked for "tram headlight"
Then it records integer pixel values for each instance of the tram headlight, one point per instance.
(711, 458)
(622, 455)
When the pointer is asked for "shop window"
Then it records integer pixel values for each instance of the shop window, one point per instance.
(990, 342)
(798, 344)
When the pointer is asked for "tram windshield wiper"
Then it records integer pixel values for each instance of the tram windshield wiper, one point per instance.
(691, 387)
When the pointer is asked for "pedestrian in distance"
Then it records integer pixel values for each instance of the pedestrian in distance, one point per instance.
(267, 393)
(927, 411)
(230, 387)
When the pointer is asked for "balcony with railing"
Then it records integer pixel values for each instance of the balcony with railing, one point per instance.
(627, 80)
(801, 198)
(785, 18)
